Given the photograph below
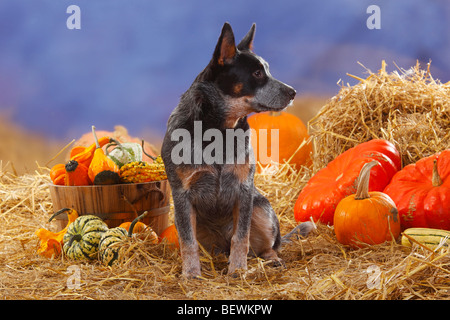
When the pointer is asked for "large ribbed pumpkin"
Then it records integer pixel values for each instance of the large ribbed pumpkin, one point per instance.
(291, 134)
(82, 237)
(421, 192)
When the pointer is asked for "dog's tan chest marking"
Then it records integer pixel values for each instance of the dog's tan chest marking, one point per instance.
(189, 176)
(237, 109)
(240, 171)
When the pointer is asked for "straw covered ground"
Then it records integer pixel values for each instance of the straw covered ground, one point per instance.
(317, 267)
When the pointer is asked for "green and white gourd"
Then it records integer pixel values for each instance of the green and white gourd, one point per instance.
(124, 153)
(83, 236)
(110, 247)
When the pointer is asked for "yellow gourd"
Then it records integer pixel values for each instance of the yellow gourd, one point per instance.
(51, 242)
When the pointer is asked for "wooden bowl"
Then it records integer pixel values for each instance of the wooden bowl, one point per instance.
(116, 203)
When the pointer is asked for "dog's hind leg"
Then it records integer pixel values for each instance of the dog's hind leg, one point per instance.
(265, 237)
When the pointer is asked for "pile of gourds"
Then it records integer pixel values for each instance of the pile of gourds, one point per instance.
(369, 199)
(93, 166)
(88, 237)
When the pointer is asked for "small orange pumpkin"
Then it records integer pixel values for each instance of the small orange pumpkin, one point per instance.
(292, 133)
(366, 217)
(57, 174)
(76, 174)
(139, 227)
(171, 236)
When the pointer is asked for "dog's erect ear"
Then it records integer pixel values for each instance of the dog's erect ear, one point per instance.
(225, 48)
(247, 42)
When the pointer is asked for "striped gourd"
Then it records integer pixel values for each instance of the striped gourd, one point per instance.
(428, 237)
(82, 237)
(111, 243)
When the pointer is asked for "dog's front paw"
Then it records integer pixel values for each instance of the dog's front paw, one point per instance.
(236, 272)
(192, 273)
(191, 267)
(237, 267)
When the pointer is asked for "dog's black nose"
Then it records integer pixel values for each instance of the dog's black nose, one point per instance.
(290, 92)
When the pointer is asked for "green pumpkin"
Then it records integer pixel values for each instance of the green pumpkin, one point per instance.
(82, 237)
(110, 245)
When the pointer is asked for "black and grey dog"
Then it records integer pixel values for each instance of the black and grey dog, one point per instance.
(216, 202)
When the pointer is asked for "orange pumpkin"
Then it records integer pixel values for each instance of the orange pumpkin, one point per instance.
(76, 174)
(366, 217)
(138, 227)
(57, 174)
(291, 135)
(171, 236)
(421, 192)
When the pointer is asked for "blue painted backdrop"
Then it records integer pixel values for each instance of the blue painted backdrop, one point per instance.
(132, 59)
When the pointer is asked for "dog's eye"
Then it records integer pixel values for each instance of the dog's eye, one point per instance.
(258, 74)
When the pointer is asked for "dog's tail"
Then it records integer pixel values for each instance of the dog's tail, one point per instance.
(302, 230)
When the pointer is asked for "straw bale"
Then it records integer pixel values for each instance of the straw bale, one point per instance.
(407, 107)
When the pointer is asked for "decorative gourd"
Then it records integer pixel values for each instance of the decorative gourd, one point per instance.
(322, 193)
(421, 192)
(431, 238)
(111, 242)
(171, 236)
(141, 171)
(51, 242)
(84, 155)
(124, 153)
(366, 217)
(292, 133)
(76, 174)
(79, 155)
(110, 245)
(57, 174)
(120, 134)
(102, 170)
(82, 237)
